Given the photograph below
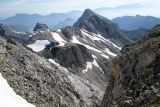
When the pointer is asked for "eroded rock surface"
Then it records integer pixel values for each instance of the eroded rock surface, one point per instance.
(135, 78)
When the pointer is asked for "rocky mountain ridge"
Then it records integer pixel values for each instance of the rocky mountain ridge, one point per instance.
(135, 80)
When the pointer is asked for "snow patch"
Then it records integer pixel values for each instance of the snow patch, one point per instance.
(91, 64)
(58, 38)
(88, 66)
(97, 65)
(9, 98)
(108, 41)
(30, 36)
(42, 31)
(53, 61)
(39, 45)
(110, 53)
(59, 30)
(105, 56)
(58, 65)
(75, 40)
(84, 32)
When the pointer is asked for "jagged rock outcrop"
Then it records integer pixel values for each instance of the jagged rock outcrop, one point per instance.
(69, 31)
(135, 78)
(72, 56)
(42, 83)
(97, 24)
(40, 27)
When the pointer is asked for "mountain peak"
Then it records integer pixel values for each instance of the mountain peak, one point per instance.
(98, 24)
(87, 14)
(89, 11)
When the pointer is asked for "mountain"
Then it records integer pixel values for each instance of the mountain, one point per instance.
(136, 22)
(134, 35)
(52, 20)
(67, 67)
(97, 24)
(75, 66)
(135, 78)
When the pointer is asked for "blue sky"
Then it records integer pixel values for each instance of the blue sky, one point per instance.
(119, 7)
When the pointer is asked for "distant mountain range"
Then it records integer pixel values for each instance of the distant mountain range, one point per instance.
(136, 22)
(134, 35)
(26, 22)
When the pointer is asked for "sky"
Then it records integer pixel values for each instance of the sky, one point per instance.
(114, 7)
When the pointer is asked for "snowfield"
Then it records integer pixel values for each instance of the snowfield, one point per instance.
(39, 45)
(8, 97)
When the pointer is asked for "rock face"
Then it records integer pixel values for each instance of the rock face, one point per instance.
(72, 56)
(42, 83)
(40, 27)
(135, 78)
(97, 24)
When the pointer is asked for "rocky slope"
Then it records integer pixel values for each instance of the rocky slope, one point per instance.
(42, 83)
(135, 78)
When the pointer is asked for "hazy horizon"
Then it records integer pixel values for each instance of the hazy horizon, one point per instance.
(109, 9)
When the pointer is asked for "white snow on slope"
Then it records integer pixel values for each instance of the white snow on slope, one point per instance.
(91, 64)
(58, 65)
(8, 97)
(99, 38)
(58, 38)
(53, 61)
(88, 66)
(108, 41)
(110, 53)
(59, 30)
(84, 32)
(105, 56)
(38, 45)
(30, 36)
(75, 40)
